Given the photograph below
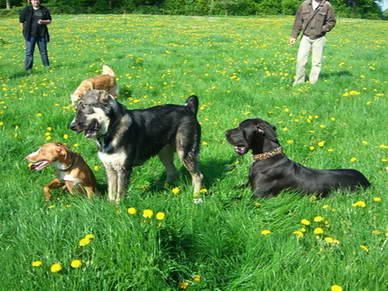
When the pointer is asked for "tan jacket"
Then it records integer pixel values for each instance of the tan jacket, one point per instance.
(314, 23)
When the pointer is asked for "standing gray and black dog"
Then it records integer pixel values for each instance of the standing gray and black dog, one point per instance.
(272, 171)
(127, 138)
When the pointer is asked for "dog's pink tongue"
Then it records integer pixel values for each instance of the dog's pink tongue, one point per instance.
(39, 166)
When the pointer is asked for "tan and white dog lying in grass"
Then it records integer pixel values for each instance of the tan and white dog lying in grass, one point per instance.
(73, 174)
(106, 81)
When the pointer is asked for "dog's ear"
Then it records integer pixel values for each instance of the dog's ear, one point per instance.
(61, 151)
(270, 131)
(105, 97)
(259, 129)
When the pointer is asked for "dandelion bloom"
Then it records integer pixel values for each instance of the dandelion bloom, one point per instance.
(336, 288)
(298, 233)
(76, 263)
(132, 210)
(364, 248)
(318, 218)
(36, 263)
(325, 206)
(56, 268)
(160, 215)
(203, 190)
(305, 222)
(83, 242)
(377, 199)
(354, 159)
(175, 190)
(89, 236)
(197, 278)
(148, 213)
(321, 143)
(65, 136)
(266, 232)
(318, 230)
(183, 285)
(96, 168)
(329, 240)
(359, 204)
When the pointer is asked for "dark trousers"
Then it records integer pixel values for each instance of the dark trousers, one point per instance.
(30, 47)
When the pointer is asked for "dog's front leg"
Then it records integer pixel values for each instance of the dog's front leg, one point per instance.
(123, 175)
(54, 184)
(112, 178)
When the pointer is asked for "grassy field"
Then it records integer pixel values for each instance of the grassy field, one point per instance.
(240, 68)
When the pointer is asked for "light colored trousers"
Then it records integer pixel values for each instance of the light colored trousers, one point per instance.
(306, 45)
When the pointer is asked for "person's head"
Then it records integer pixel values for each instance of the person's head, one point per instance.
(35, 3)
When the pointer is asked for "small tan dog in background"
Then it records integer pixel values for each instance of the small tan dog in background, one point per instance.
(73, 173)
(106, 81)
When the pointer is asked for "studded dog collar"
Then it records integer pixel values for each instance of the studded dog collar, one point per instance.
(267, 155)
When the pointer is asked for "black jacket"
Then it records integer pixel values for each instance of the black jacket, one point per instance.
(26, 18)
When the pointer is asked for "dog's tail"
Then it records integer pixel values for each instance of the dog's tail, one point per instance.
(192, 103)
(106, 70)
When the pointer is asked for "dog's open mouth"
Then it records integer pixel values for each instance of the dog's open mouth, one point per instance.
(241, 150)
(39, 165)
(92, 130)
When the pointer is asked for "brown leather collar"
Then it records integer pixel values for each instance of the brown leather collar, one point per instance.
(267, 155)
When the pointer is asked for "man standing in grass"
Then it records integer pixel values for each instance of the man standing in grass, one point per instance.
(33, 20)
(314, 19)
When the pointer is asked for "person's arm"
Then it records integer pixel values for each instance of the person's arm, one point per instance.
(297, 28)
(330, 20)
(46, 19)
(22, 18)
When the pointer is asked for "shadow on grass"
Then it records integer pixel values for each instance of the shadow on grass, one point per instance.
(213, 170)
(333, 75)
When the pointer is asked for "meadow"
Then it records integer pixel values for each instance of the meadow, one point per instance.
(157, 238)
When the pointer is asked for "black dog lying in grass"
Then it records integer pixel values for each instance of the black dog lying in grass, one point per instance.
(272, 172)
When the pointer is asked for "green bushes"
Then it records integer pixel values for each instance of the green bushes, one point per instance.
(345, 8)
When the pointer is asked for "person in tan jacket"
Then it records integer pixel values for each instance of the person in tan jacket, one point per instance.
(314, 19)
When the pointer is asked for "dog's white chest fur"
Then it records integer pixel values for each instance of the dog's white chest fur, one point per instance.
(65, 177)
(115, 160)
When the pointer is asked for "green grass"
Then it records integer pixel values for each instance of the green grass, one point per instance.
(240, 68)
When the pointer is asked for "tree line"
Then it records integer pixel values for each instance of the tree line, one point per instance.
(345, 8)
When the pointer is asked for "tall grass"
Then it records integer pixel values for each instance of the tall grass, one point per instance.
(240, 68)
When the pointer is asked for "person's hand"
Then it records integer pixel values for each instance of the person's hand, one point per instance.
(39, 21)
(292, 41)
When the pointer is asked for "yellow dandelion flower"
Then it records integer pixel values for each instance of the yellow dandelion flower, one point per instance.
(36, 263)
(96, 168)
(325, 206)
(258, 204)
(160, 216)
(376, 232)
(336, 288)
(183, 285)
(330, 150)
(197, 278)
(48, 137)
(148, 213)
(305, 222)
(290, 141)
(332, 118)
(299, 234)
(318, 218)
(377, 199)
(318, 230)
(364, 248)
(311, 148)
(1, 123)
(89, 236)
(329, 240)
(83, 242)
(56, 268)
(65, 136)
(302, 229)
(203, 190)
(383, 146)
(175, 190)
(204, 143)
(285, 129)
(364, 142)
(132, 210)
(39, 114)
(353, 159)
(359, 204)
(265, 232)
(76, 145)
(321, 143)
(76, 263)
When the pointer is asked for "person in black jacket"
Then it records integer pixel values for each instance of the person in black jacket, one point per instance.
(33, 20)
